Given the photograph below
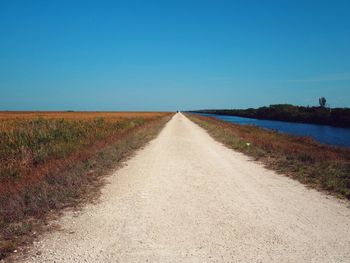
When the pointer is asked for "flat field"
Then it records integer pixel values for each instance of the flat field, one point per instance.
(48, 158)
(76, 115)
(30, 139)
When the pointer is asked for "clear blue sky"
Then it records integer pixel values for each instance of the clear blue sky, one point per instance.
(169, 55)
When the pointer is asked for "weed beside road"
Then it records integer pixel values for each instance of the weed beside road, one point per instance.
(48, 162)
(319, 166)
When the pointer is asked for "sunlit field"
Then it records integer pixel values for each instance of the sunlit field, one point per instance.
(75, 115)
(30, 139)
(49, 158)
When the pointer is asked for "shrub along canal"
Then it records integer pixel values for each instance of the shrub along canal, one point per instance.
(324, 134)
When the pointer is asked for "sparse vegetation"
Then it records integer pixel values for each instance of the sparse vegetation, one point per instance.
(319, 166)
(49, 160)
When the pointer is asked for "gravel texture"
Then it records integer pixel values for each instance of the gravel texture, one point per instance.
(187, 198)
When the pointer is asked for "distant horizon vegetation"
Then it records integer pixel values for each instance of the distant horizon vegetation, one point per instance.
(322, 114)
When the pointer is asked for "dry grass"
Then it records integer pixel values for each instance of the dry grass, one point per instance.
(49, 161)
(319, 166)
(30, 142)
(109, 116)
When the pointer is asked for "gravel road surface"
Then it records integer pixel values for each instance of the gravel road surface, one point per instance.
(187, 198)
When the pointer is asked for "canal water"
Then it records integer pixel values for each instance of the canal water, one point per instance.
(322, 133)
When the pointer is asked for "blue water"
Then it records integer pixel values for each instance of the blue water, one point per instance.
(321, 133)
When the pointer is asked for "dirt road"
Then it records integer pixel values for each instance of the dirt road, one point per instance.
(187, 198)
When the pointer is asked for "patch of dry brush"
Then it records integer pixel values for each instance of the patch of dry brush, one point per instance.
(320, 166)
(48, 160)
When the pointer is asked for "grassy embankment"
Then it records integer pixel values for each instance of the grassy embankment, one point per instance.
(319, 166)
(51, 160)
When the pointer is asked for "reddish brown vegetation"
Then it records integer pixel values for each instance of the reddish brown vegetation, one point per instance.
(317, 165)
(48, 162)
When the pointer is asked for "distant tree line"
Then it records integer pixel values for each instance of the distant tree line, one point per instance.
(339, 117)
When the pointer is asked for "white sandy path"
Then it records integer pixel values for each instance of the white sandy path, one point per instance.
(187, 198)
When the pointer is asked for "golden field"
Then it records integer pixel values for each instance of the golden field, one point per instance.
(76, 115)
(49, 159)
